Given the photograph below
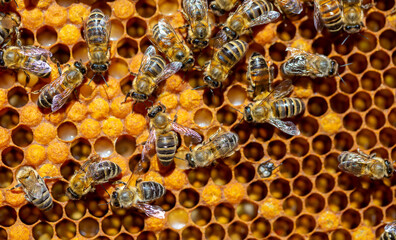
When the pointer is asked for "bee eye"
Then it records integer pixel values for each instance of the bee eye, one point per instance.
(205, 43)
(2, 63)
(195, 41)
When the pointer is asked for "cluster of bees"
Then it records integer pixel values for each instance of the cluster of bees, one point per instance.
(269, 104)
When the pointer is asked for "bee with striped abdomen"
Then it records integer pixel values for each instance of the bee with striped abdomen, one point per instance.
(390, 232)
(97, 35)
(152, 71)
(289, 7)
(361, 164)
(9, 28)
(163, 133)
(328, 13)
(266, 168)
(302, 63)
(165, 38)
(250, 13)
(259, 75)
(138, 196)
(94, 171)
(274, 107)
(34, 187)
(199, 29)
(55, 94)
(352, 15)
(218, 68)
(220, 7)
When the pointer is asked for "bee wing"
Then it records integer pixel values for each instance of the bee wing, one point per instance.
(295, 51)
(191, 7)
(265, 18)
(32, 51)
(86, 165)
(146, 148)
(317, 18)
(286, 126)
(186, 131)
(150, 52)
(60, 99)
(169, 70)
(220, 39)
(355, 167)
(37, 66)
(282, 89)
(151, 210)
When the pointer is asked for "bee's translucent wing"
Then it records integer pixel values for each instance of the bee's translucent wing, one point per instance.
(265, 18)
(186, 131)
(295, 51)
(36, 52)
(169, 70)
(391, 227)
(151, 210)
(286, 126)
(146, 148)
(220, 39)
(282, 89)
(150, 52)
(355, 167)
(195, 8)
(298, 7)
(86, 165)
(60, 99)
(37, 66)
(317, 18)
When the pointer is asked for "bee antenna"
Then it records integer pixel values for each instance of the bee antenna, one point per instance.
(342, 80)
(16, 3)
(363, 36)
(199, 87)
(345, 40)
(105, 189)
(91, 79)
(237, 110)
(180, 158)
(347, 64)
(105, 80)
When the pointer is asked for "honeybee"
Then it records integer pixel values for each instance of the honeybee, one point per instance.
(361, 164)
(390, 232)
(164, 37)
(94, 171)
(162, 132)
(290, 7)
(302, 63)
(219, 145)
(55, 94)
(34, 187)
(250, 13)
(97, 35)
(274, 107)
(265, 169)
(259, 75)
(27, 58)
(352, 15)
(219, 7)
(199, 29)
(9, 27)
(223, 60)
(137, 196)
(328, 13)
(152, 71)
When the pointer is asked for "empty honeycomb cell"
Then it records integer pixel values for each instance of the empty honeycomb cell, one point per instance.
(366, 42)
(384, 99)
(359, 198)
(311, 165)
(97, 207)
(244, 172)
(280, 188)
(375, 21)
(111, 225)
(29, 214)
(17, 97)
(276, 150)
(283, 226)
(22, 136)
(349, 83)
(203, 117)
(341, 234)
(260, 228)
(127, 48)
(343, 141)
(244, 131)
(80, 148)
(290, 168)
(68, 168)
(43, 230)
(339, 103)
(8, 79)
(238, 230)
(12, 156)
(224, 213)
(302, 186)
(379, 60)
(263, 132)
(124, 236)
(314, 203)
(188, 198)
(358, 63)
(88, 227)
(317, 106)
(390, 77)
(308, 126)
(133, 223)
(390, 213)
(201, 215)
(54, 214)
(247, 210)
(178, 218)
(253, 151)
(9, 216)
(61, 53)
(67, 131)
(347, 181)
(387, 39)
(299, 147)
(361, 101)
(321, 144)
(118, 68)
(214, 232)
(366, 139)
(168, 7)
(65, 229)
(350, 219)
(226, 116)
(381, 195)
(104, 147)
(46, 36)
(325, 86)
(277, 52)
(75, 209)
(136, 27)
(236, 95)
(352, 121)
(286, 30)
(58, 191)
(331, 163)
(375, 119)
(80, 52)
(134, 161)
(321, 45)
(292, 206)
(191, 233)
(324, 183)
(305, 224)
(319, 236)
(146, 8)
(307, 29)
(372, 216)
(371, 80)
(168, 234)
(257, 190)
(125, 145)
(392, 117)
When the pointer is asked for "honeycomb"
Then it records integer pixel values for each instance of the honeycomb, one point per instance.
(308, 197)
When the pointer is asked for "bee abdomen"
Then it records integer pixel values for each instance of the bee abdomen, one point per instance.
(388, 236)
(166, 147)
(226, 143)
(151, 190)
(258, 68)
(45, 97)
(45, 202)
(331, 14)
(3, 34)
(343, 157)
(232, 52)
(288, 107)
(259, 8)
(96, 31)
(106, 170)
(156, 66)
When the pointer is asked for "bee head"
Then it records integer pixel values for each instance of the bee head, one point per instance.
(99, 67)
(333, 68)
(199, 43)
(389, 169)
(155, 110)
(114, 199)
(216, 9)
(80, 67)
(7, 1)
(190, 160)
(248, 113)
(355, 28)
(211, 83)
(2, 63)
(71, 194)
(231, 35)
(139, 96)
(189, 63)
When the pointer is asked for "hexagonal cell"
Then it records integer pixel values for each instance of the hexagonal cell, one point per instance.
(201, 215)
(277, 52)
(146, 235)
(6, 177)
(8, 79)
(317, 106)
(9, 118)
(146, 8)
(203, 117)
(167, 201)
(22, 136)
(224, 213)
(372, 216)
(133, 223)
(390, 213)
(292, 206)
(366, 139)
(75, 209)
(260, 228)
(321, 144)
(67, 131)
(125, 145)
(387, 39)
(263, 132)
(366, 42)
(178, 218)
(325, 86)
(211, 99)
(358, 63)
(321, 45)
(341, 234)
(247, 210)
(314, 203)
(308, 126)
(226, 115)
(311, 164)
(191, 233)
(299, 147)
(221, 174)
(381, 195)
(349, 83)
(324, 183)
(379, 60)
(80, 148)
(307, 29)
(286, 30)
(29, 214)
(198, 177)
(253, 151)
(257, 190)
(61, 53)
(244, 172)
(88, 227)
(12, 156)
(352, 121)
(280, 188)
(104, 147)
(46, 36)
(244, 131)
(283, 226)
(117, 30)
(188, 198)
(342, 46)
(127, 47)
(350, 219)
(384, 99)
(305, 224)
(390, 77)
(339, 103)
(168, 7)
(17, 97)
(134, 160)
(319, 236)
(80, 51)
(58, 191)
(96, 206)
(43, 230)
(236, 95)
(65, 229)
(331, 163)
(371, 80)
(238, 230)
(111, 225)
(214, 231)
(118, 68)
(343, 141)
(124, 236)
(375, 21)
(68, 168)
(302, 186)
(290, 168)
(337, 201)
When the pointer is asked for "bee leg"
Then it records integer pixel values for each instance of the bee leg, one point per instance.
(120, 182)
(51, 178)
(138, 181)
(133, 74)
(175, 118)
(59, 68)
(126, 97)
(76, 95)
(16, 186)
(27, 77)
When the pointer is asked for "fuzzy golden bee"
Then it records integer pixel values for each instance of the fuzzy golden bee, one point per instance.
(361, 164)
(390, 232)
(217, 69)
(259, 75)
(302, 63)
(165, 38)
(163, 133)
(138, 196)
(220, 7)
(249, 14)
(55, 94)
(97, 35)
(289, 7)
(9, 28)
(199, 28)
(352, 15)
(94, 171)
(275, 107)
(328, 13)
(152, 71)
(34, 187)
(266, 168)
(221, 144)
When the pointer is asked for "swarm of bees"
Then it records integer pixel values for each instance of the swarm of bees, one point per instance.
(269, 104)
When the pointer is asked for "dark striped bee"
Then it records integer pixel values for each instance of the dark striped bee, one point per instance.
(390, 232)
(162, 132)
(224, 59)
(27, 58)
(259, 75)
(361, 164)
(302, 63)
(328, 13)
(97, 35)
(249, 14)
(219, 7)
(289, 7)
(55, 94)
(138, 196)
(221, 144)
(274, 107)
(94, 171)
(34, 187)
(199, 29)
(265, 169)
(152, 71)
(167, 41)
(9, 27)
